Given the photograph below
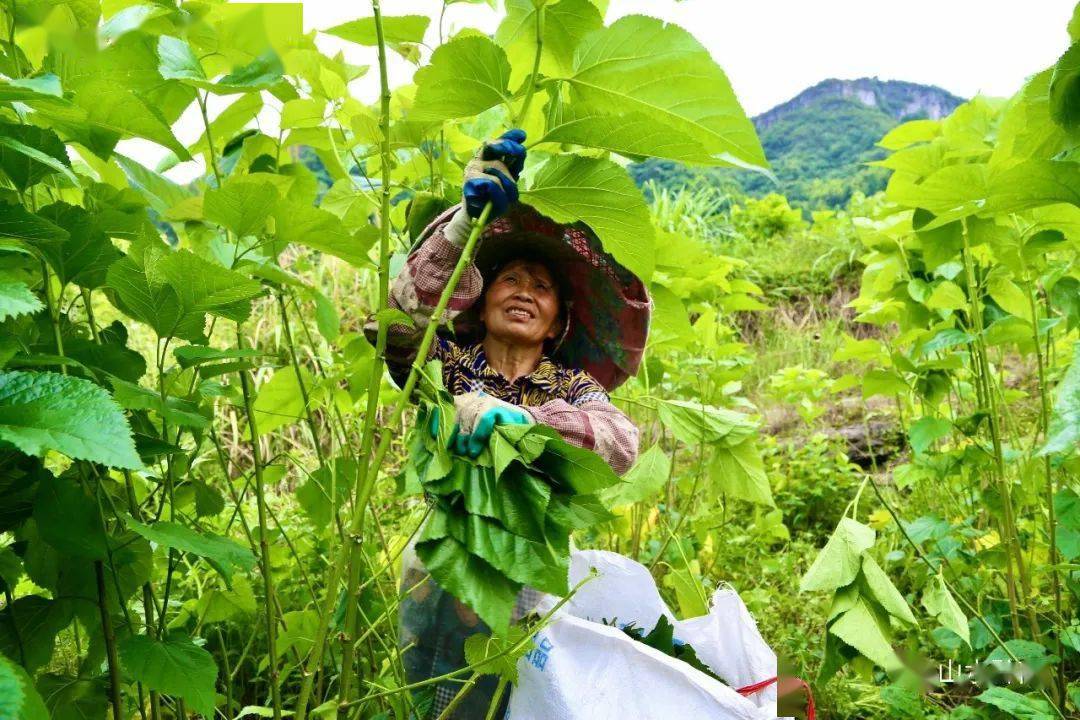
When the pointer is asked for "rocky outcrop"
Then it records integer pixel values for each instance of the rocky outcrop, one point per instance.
(900, 100)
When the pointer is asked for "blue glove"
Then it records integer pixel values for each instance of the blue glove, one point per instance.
(491, 176)
(477, 415)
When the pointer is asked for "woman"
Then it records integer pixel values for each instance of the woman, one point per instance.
(546, 324)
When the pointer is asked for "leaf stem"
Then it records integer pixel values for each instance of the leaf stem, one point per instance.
(531, 89)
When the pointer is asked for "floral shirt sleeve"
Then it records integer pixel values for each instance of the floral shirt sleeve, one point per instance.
(587, 419)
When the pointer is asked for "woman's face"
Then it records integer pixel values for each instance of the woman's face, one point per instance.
(521, 304)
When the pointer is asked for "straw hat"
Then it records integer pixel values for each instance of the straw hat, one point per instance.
(607, 306)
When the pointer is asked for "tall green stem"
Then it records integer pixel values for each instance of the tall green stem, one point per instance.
(352, 549)
(264, 546)
(984, 376)
(110, 643)
(1044, 426)
(136, 512)
(375, 380)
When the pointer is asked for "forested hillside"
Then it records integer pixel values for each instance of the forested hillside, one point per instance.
(820, 141)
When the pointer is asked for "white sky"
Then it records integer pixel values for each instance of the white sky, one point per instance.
(770, 49)
(773, 49)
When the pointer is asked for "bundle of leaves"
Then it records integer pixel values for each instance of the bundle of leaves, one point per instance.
(502, 520)
(662, 638)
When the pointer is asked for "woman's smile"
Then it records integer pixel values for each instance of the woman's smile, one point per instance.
(519, 313)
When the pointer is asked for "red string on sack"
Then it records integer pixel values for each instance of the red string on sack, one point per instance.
(811, 712)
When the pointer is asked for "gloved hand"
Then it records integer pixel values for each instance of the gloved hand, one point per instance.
(477, 415)
(491, 176)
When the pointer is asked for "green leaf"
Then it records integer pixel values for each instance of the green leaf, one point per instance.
(688, 592)
(518, 558)
(320, 230)
(140, 291)
(571, 188)
(322, 494)
(465, 77)
(642, 65)
(940, 603)
(223, 554)
(16, 299)
(241, 204)
(1017, 705)
(48, 411)
(740, 473)
(129, 19)
(220, 605)
(839, 562)
(488, 592)
(565, 23)
(517, 498)
(649, 474)
(490, 654)
(204, 287)
(262, 73)
(396, 29)
(326, 317)
(119, 112)
(28, 629)
(883, 382)
(28, 154)
(161, 192)
(924, 432)
(18, 223)
(280, 401)
(883, 590)
(910, 133)
(583, 471)
(85, 255)
(19, 699)
(70, 520)
(1064, 432)
(862, 628)
(195, 355)
(947, 296)
(180, 412)
(175, 667)
(1067, 512)
(303, 113)
(634, 135)
(74, 698)
(1065, 88)
(178, 61)
(694, 423)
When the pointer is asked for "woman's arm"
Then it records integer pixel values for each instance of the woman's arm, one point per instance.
(593, 423)
(416, 289)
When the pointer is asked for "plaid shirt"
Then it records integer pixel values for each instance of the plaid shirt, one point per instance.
(568, 400)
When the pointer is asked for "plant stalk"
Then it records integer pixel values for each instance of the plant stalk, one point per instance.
(110, 643)
(352, 548)
(264, 546)
(984, 375)
(375, 381)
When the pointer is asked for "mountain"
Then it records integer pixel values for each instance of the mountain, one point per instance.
(818, 141)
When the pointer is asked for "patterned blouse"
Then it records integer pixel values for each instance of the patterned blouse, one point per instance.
(570, 401)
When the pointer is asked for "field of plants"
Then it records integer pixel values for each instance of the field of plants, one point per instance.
(866, 421)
